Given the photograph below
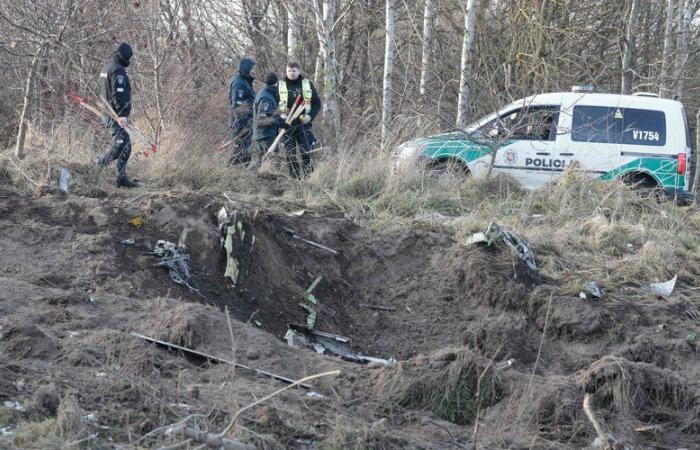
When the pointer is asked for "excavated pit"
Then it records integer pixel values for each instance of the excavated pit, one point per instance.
(448, 313)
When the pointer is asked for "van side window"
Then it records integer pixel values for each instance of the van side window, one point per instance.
(538, 123)
(614, 125)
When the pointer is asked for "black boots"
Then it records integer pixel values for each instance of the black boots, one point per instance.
(126, 182)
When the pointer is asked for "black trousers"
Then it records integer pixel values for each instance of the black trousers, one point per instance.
(120, 150)
(302, 137)
(241, 145)
(259, 149)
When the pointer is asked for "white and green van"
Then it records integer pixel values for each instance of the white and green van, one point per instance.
(639, 138)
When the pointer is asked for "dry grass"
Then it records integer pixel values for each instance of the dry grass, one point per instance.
(580, 228)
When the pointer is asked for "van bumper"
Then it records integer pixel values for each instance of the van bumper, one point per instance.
(681, 197)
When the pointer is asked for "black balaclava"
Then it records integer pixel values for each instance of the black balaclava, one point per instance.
(123, 54)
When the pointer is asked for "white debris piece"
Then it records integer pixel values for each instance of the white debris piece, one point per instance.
(664, 289)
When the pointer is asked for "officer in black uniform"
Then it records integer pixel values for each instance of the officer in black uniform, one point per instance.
(240, 98)
(115, 90)
(266, 121)
(300, 133)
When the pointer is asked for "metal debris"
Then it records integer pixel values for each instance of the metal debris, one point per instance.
(315, 244)
(591, 289)
(177, 263)
(513, 240)
(14, 404)
(64, 180)
(321, 342)
(213, 359)
(664, 289)
(236, 242)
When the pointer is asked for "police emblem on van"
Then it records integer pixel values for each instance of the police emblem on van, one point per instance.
(510, 157)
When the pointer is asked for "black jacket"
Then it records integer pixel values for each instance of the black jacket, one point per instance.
(294, 90)
(241, 95)
(266, 122)
(114, 86)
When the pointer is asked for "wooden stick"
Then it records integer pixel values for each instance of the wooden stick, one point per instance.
(294, 113)
(379, 307)
(279, 391)
(591, 416)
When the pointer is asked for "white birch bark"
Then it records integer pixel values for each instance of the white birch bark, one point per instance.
(389, 46)
(466, 64)
(664, 90)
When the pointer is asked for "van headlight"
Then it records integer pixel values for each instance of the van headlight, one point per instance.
(409, 151)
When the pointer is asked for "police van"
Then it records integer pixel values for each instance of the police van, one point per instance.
(638, 138)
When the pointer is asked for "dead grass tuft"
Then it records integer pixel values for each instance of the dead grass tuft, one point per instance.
(641, 390)
(445, 384)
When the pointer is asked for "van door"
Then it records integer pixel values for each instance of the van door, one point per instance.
(593, 137)
(528, 149)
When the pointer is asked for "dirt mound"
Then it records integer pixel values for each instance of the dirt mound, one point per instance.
(471, 329)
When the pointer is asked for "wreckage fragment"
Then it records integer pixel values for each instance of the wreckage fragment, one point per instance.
(177, 263)
(237, 240)
(321, 342)
(494, 233)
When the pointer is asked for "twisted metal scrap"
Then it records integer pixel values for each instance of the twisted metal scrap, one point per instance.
(177, 263)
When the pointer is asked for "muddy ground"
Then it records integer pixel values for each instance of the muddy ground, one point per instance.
(459, 321)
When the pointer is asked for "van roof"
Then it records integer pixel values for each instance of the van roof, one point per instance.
(574, 98)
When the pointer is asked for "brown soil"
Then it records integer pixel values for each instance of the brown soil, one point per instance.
(452, 316)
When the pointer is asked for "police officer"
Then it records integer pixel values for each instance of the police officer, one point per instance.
(115, 90)
(240, 98)
(300, 134)
(266, 120)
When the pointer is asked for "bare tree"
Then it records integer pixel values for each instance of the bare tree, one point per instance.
(31, 78)
(664, 89)
(629, 45)
(389, 47)
(427, 49)
(292, 30)
(685, 16)
(466, 64)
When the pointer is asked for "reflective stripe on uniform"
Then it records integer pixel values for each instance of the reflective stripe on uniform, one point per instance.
(306, 93)
(284, 95)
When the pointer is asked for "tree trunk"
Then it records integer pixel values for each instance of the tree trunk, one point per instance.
(331, 113)
(22, 130)
(292, 30)
(465, 66)
(664, 90)
(696, 175)
(630, 45)
(427, 50)
(389, 46)
(685, 16)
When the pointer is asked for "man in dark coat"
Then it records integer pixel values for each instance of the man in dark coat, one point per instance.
(115, 90)
(300, 134)
(240, 98)
(266, 121)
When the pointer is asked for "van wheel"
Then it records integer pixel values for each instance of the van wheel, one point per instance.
(644, 185)
(448, 166)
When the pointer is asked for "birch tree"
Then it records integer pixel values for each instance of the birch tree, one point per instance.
(325, 19)
(629, 45)
(466, 63)
(292, 30)
(685, 16)
(664, 90)
(389, 46)
(427, 50)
